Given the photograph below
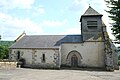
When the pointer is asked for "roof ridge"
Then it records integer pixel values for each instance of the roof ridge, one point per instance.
(54, 35)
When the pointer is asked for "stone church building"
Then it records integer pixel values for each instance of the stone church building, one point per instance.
(92, 48)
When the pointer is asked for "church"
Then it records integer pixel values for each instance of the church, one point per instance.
(91, 49)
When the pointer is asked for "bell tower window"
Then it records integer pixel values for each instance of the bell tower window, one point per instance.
(92, 25)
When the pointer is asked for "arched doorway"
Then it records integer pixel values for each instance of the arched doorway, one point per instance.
(74, 59)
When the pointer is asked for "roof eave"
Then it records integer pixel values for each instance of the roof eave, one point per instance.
(90, 16)
(36, 48)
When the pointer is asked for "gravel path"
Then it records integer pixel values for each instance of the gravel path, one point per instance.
(39, 74)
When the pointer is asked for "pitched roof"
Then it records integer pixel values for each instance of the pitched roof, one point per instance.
(45, 41)
(90, 11)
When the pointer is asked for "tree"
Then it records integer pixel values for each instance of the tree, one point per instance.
(0, 37)
(4, 52)
(114, 11)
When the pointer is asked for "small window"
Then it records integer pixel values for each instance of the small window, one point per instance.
(18, 55)
(92, 25)
(43, 58)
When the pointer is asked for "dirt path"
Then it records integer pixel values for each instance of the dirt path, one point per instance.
(38, 74)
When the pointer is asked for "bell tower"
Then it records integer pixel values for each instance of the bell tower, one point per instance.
(91, 25)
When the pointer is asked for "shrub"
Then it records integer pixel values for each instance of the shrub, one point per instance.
(4, 52)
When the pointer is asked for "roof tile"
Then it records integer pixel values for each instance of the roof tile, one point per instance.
(45, 41)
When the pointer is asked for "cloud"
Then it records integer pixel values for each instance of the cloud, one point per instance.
(41, 10)
(4, 17)
(49, 23)
(82, 5)
(13, 26)
(38, 10)
(77, 1)
(71, 31)
(78, 5)
(21, 4)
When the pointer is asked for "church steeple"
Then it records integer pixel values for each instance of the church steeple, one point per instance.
(91, 25)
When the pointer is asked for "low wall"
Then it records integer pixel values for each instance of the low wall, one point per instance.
(8, 65)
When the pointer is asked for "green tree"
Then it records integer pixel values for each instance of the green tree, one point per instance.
(4, 52)
(114, 11)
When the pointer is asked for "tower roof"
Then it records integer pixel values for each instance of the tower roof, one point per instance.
(91, 12)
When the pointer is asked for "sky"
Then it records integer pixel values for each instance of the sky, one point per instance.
(45, 17)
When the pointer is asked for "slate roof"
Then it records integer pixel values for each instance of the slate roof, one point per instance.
(45, 41)
(91, 12)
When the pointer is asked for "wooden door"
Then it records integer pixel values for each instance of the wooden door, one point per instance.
(74, 61)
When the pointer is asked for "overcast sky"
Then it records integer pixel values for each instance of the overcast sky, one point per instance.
(45, 17)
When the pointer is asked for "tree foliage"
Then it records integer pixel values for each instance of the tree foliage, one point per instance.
(114, 11)
(4, 52)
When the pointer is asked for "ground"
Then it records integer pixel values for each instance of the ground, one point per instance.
(40, 74)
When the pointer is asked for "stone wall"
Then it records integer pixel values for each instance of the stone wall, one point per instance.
(8, 65)
(92, 53)
(34, 57)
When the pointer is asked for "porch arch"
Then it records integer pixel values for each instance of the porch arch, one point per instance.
(74, 58)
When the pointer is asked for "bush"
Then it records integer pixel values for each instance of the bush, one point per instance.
(4, 52)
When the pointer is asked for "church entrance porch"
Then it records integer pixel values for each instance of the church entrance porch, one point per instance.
(74, 59)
